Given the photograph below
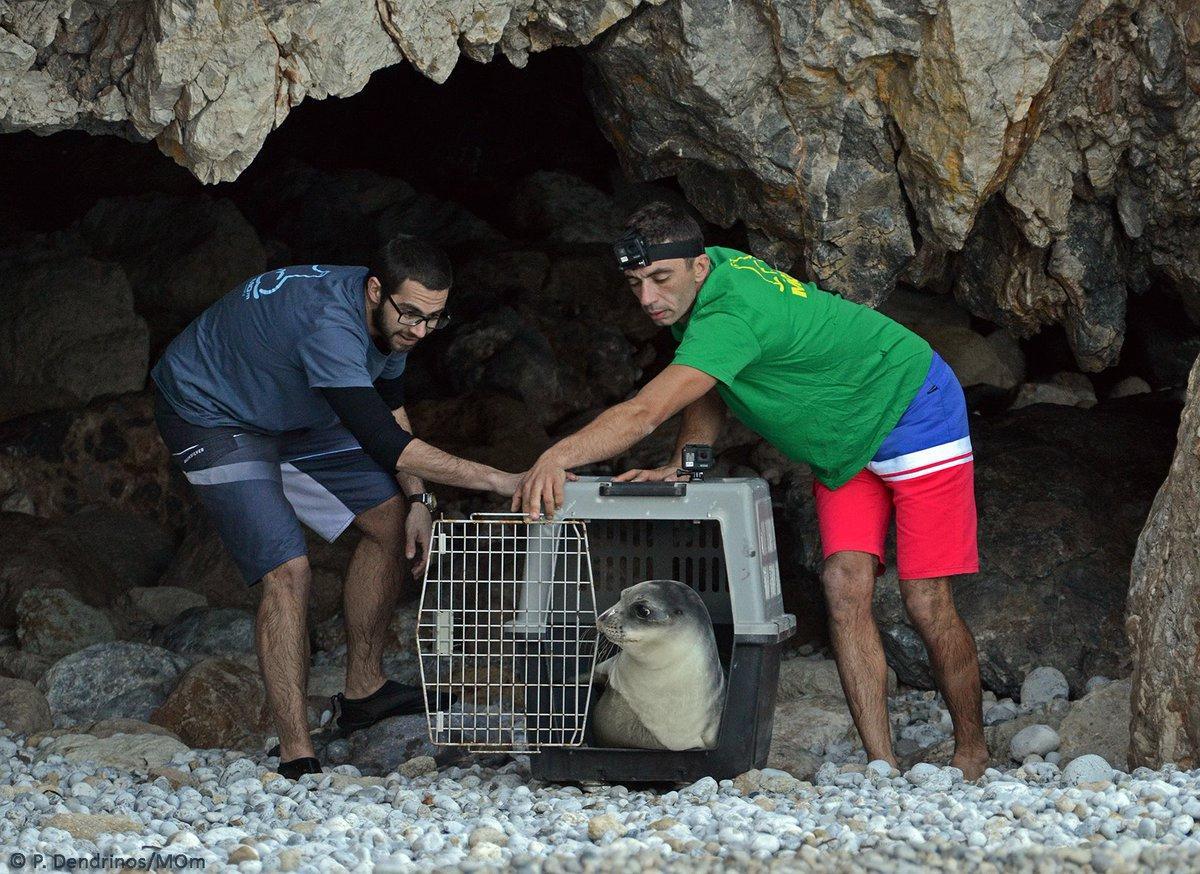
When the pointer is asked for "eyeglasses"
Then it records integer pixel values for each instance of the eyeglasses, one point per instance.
(411, 320)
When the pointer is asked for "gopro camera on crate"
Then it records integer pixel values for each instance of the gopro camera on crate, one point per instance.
(697, 460)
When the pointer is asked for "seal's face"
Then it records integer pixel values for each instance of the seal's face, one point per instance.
(647, 613)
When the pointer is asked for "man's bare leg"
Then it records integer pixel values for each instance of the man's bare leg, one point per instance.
(281, 638)
(955, 663)
(849, 581)
(369, 596)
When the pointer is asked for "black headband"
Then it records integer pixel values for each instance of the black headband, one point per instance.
(632, 250)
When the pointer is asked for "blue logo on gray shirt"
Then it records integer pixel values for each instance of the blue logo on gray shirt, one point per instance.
(254, 288)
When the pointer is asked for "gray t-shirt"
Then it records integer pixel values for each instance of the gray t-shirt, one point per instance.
(256, 357)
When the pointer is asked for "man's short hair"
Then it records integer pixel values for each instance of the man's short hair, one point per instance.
(660, 222)
(404, 258)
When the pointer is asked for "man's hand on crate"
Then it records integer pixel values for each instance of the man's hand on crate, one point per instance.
(540, 489)
(668, 474)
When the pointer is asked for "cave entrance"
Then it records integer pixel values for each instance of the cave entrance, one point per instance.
(509, 167)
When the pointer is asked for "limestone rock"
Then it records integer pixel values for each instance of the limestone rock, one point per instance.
(1099, 723)
(58, 308)
(119, 678)
(208, 82)
(134, 752)
(1164, 610)
(90, 826)
(217, 703)
(53, 623)
(23, 708)
(976, 359)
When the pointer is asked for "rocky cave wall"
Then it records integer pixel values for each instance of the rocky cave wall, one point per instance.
(1038, 158)
(1029, 169)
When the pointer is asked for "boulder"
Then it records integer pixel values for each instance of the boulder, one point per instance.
(119, 678)
(217, 703)
(560, 208)
(1128, 387)
(1055, 542)
(180, 252)
(27, 666)
(1087, 769)
(1061, 393)
(23, 708)
(387, 745)
(58, 308)
(209, 631)
(136, 547)
(1099, 723)
(1033, 740)
(129, 752)
(1164, 610)
(202, 565)
(108, 455)
(1041, 686)
(343, 216)
(54, 623)
(976, 359)
(91, 826)
(36, 554)
(162, 604)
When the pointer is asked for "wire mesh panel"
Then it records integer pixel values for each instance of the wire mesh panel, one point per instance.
(506, 633)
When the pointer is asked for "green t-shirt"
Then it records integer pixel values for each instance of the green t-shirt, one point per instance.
(822, 378)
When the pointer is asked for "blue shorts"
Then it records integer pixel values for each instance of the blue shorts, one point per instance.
(259, 488)
(934, 433)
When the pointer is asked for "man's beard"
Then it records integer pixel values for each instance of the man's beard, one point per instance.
(383, 338)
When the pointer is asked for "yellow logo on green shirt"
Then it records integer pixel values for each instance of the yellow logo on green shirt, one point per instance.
(777, 278)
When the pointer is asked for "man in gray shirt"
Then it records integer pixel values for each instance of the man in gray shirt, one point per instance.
(283, 402)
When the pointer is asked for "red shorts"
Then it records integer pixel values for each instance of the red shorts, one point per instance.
(935, 520)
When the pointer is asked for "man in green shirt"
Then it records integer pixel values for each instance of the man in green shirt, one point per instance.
(866, 403)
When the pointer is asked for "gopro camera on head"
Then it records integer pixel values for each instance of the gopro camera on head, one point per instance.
(632, 251)
(697, 459)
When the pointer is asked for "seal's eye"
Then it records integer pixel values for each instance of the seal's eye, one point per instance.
(642, 611)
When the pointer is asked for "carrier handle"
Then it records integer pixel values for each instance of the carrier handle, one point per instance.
(643, 490)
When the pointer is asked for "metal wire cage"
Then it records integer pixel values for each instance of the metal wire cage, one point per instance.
(511, 672)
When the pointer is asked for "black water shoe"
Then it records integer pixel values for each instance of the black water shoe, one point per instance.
(296, 768)
(390, 699)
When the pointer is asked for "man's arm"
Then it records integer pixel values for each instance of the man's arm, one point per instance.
(702, 422)
(609, 434)
(368, 418)
(409, 483)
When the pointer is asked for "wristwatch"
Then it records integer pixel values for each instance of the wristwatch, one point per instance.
(425, 498)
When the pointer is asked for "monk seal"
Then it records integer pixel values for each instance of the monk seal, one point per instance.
(665, 689)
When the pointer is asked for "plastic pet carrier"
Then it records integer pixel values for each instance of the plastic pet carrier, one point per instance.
(507, 622)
